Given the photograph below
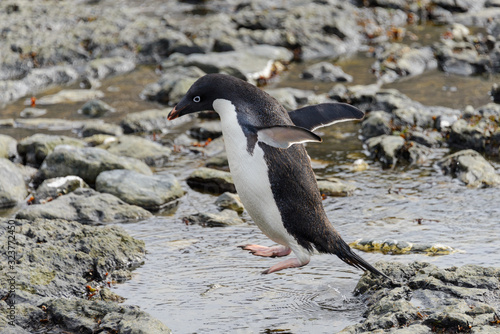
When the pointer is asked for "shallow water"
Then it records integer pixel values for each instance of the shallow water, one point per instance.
(196, 280)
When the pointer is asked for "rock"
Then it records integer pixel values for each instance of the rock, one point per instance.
(206, 130)
(424, 298)
(34, 149)
(147, 121)
(12, 186)
(70, 96)
(104, 67)
(87, 162)
(426, 138)
(291, 98)
(173, 84)
(152, 153)
(85, 205)
(464, 135)
(96, 108)
(471, 168)
(495, 93)
(326, 72)
(224, 218)
(335, 187)
(251, 64)
(52, 124)
(92, 128)
(53, 188)
(32, 112)
(150, 192)
(389, 246)
(8, 147)
(211, 181)
(230, 201)
(377, 123)
(386, 149)
(399, 61)
(218, 161)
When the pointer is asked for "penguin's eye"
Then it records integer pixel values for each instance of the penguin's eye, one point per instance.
(196, 99)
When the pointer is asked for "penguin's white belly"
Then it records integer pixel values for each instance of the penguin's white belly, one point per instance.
(250, 176)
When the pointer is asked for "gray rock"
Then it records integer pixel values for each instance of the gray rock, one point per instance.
(230, 201)
(8, 147)
(465, 135)
(152, 153)
(389, 246)
(211, 181)
(291, 98)
(85, 205)
(70, 96)
(386, 149)
(53, 188)
(218, 161)
(224, 218)
(335, 187)
(87, 162)
(326, 72)
(150, 192)
(34, 149)
(92, 128)
(12, 186)
(96, 108)
(415, 153)
(471, 168)
(32, 112)
(101, 68)
(146, 121)
(376, 123)
(52, 124)
(206, 130)
(426, 138)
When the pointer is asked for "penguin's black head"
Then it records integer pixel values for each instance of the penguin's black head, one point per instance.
(202, 95)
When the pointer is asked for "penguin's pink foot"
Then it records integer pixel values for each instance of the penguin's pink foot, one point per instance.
(275, 251)
(290, 263)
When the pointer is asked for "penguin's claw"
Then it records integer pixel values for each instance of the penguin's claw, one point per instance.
(290, 263)
(275, 251)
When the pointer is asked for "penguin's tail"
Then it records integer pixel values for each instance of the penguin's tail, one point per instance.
(340, 248)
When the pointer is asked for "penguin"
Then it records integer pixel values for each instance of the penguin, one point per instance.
(271, 170)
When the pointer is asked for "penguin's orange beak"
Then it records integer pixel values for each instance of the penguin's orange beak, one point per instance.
(174, 113)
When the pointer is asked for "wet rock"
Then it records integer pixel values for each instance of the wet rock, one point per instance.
(87, 162)
(386, 149)
(8, 147)
(399, 61)
(152, 192)
(53, 188)
(335, 187)
(377, 123)
(471, 168)
(147, 121)
(414, 152)
(152, 153)
(32, 112)
(85, 205)
(389, 246)
(250, 64)
(12, 186)
(224, 218)
(230, 201)
(69, 96)
(326, 72)
(424, 298)
(34, 149)
(465, 135)
(52, 124)
(218, 161)
(98, 127)
(173, 84)
(211, 181)
(206, 130)
(426, 138)
(104, 67)
(96, 108)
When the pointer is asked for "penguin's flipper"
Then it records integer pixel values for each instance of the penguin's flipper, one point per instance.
(319, 115)
(283, 136)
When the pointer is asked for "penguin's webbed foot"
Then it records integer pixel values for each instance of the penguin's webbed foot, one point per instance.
(275, 251)
(290, 263)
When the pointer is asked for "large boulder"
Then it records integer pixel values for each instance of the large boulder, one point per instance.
(85, 205)
(211, 181)
(150, 192)
(12, 185)
(34, 149)
(87, 162)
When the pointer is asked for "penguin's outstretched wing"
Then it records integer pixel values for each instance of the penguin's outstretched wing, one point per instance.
(284, 136)
(319, 115)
